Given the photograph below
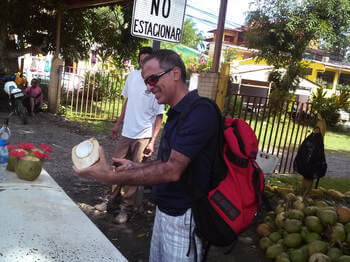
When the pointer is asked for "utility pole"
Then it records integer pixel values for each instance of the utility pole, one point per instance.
(219, 35)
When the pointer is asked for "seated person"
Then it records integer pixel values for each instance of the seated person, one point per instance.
(34, 99)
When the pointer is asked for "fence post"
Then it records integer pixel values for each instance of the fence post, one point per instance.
(222, 86)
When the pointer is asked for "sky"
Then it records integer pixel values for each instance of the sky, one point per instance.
(204, 13)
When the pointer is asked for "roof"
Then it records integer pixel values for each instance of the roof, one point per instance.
(341, 66)
(261, 73)
(231, 30)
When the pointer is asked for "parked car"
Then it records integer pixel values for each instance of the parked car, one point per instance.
(71, 81)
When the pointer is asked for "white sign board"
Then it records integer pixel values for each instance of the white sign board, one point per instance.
(158, 19)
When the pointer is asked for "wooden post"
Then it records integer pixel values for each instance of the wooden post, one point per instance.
(219, 35)
(55, 74)
(58, 32)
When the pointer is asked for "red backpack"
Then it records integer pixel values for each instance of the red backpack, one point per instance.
(236, 184)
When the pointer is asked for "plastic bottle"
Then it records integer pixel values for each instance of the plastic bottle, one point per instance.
(4, 155)
(5, 131)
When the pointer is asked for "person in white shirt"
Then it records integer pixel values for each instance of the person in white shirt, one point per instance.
(142, 118)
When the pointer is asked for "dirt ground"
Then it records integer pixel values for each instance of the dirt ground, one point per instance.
(133, 238)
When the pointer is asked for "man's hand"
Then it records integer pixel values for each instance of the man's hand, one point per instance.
(149, 149)
(115, 130)
(123, 164)
(101, 170)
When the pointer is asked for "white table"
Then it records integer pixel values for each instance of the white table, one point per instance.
(39, 222)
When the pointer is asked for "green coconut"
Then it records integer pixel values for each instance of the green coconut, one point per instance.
(295, 214)
(327, 217)
(12, 160)
(299, 255)
(347, 228)
(265, 242)
(334, 253)
(275, 236)
(293, 240)
(283, 257)
(313, 224)
(304, 231)
(310, 210)
(28, 168)
(348, 238)
(274, 251)
(337, 234)
(321, 203)
(311, 236)
(292, 225)
(298, 204)
(280, 219)
(269, 219)
(319, 257)
(279, 208)
(344, 259)
(317, 246)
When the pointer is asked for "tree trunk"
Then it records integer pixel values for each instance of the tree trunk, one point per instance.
(8, 53)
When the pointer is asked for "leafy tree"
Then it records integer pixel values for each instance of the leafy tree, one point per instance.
(191, 36)
(283, 29)
(328, 107)
(30, 26)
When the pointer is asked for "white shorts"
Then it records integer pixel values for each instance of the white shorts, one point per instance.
(170, 239)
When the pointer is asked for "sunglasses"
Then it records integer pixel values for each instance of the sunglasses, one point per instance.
(153, 79)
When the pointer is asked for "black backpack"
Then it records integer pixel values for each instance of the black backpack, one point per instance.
(310, 161)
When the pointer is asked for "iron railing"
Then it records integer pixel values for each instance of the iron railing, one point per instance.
(91, 94)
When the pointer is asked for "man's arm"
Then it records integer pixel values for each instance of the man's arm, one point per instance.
(157, 125)
(120, 119)
(155, 172)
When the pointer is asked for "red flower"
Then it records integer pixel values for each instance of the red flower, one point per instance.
(40, 155)
(46, 148)
(28, 146)
(10, 148)
(17, 154)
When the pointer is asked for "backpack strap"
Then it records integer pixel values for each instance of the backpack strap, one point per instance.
(239, 138)
(189, 108)
(256, 181)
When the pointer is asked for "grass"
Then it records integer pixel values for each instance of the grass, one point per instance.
(294, 181)
(337, 141)
(100, 110)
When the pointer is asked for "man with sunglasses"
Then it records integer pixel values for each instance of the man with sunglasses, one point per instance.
(189, 148)
(142, 118)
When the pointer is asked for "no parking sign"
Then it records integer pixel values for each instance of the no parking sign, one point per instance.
(159, 19)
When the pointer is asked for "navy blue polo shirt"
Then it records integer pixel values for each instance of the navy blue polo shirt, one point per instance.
(196, 139)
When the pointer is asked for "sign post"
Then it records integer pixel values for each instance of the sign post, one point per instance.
(160, 20)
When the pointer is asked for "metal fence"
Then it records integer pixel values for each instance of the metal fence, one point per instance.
(280, 129)
(91, 94)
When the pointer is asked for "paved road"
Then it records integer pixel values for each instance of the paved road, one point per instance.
(338, 164)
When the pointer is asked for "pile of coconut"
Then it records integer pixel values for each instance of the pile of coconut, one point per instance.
(306, 230)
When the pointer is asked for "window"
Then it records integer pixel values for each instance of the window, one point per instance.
(327, 77)
(344, 79)
(228, 38)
